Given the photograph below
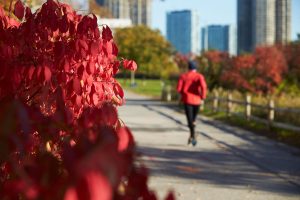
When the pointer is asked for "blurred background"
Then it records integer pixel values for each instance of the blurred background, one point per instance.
(243, 47)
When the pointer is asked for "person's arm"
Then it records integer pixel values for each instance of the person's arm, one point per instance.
(203, 87)
(179, 85)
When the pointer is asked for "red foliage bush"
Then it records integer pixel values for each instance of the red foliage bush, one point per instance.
(291, 52)
(239, 73)
(182, 61)
(60, 136)
(259, 73)
(211, 65)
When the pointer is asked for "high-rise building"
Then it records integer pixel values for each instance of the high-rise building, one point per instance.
(219, 37)
(81, 7)
(101, 2)
(204, 39)
(283, 21)
(140, 12)
(183, 31)
(263, 22)
(231, 36)
(244, 26)
(118, 8)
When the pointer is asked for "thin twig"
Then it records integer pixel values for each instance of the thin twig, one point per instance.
(34, 94)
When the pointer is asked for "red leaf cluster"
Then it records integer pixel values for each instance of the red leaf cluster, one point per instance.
(260, 72)
(181, 61)
(130, 64)
(60, 136)
(215, 56)
(55, 47)
(291, 52)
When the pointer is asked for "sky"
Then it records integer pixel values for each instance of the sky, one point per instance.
(210, 12)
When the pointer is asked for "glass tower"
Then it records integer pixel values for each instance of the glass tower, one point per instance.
(183, 31)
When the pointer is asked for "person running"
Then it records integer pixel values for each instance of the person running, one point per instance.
(192, 87)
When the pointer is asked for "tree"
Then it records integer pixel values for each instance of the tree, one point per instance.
(148, 48)
(261, 72)
(181, 61)
(239, 73)
(211, 65)
(291, 52)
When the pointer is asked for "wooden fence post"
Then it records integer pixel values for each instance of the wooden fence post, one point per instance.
(271, 112)
(229, 104)
(169, 92)
(132, 79)
(202, 105)
(248, 107)
(216, 101)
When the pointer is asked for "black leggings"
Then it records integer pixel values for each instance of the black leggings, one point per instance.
(191, 112)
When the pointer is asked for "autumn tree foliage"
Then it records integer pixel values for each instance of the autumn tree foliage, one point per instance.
(239, 73)
(211, 65)
(182, 61)
(260, 72)
(60, 135)
(291, 53)
(148, 48)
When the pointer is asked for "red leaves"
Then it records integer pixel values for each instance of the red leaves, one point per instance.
(118, 90)
(47, 73)
(111, 118)
(92, 186)
(76, 86)
(111, 49)
(94, 49)
(59, 50)
(16, 187)
(30, 72)
(65, 82)
(90, 68)
(259, 72)
(80, 71)
(125, 139)
(170, 196)
(129, 64)
(106, 33)
(28, 13)
(83, 44)
(65, 41)
(64, 24)
(66, 65)
(19, 10)
(216, 56)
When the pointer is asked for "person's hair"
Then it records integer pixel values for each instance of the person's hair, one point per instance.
(192, 65)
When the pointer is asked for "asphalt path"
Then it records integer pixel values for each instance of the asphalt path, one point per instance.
(228, 163)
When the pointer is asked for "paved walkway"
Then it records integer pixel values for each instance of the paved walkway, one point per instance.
(228, 163)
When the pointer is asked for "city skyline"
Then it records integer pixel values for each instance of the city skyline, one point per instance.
(227, 13)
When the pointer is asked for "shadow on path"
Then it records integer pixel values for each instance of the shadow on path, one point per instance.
(214, 167)
(254, 163)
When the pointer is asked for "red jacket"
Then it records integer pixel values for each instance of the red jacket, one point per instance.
(192, 87)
